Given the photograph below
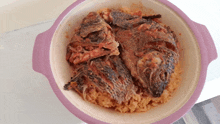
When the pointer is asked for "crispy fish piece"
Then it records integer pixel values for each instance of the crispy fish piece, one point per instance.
(149, 50)
(109, 76)
(93, 39)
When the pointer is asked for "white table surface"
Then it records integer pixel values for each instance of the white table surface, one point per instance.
(26, 96)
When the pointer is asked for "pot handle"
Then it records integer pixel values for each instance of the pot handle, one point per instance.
(40, 58)
(208, 41)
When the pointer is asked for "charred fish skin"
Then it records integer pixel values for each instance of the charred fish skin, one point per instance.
(125, 20)
(118, 83)
(117, 87)
(158, 88)
(97, 81)
(124, 76)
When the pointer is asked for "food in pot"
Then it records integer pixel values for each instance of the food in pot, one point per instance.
(125, 61)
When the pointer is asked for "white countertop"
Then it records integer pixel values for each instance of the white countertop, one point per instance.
(26, 96)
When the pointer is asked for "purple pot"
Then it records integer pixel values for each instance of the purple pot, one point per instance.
(207, 53)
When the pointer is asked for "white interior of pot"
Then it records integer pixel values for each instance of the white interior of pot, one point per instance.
(190, 62)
